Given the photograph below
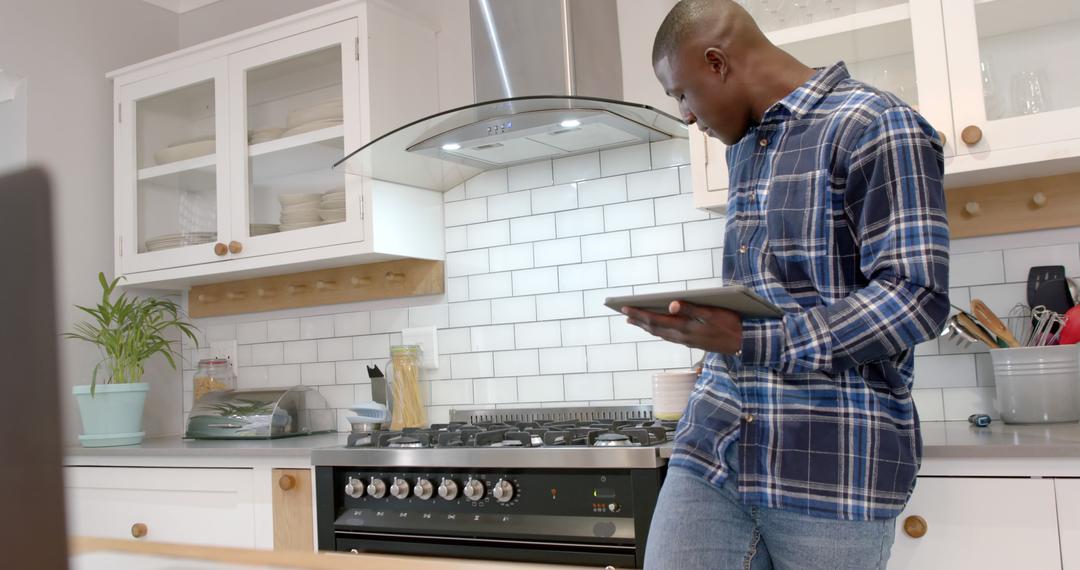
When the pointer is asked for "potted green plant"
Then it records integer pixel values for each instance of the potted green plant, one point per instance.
(128, 331)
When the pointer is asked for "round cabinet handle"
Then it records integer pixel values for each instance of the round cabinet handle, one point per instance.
(286, 482)
(139, 530)
(915, 526)
(971, 135)
(235, 247)
(220, 249)
(944, 139)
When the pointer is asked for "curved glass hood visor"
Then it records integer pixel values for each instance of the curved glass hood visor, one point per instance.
(444, 150)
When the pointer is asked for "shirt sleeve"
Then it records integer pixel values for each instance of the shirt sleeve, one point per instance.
(896, 203)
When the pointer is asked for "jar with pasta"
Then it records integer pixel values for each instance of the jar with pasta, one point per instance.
(213, 375)
(407, 407)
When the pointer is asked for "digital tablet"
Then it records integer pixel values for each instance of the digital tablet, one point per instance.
(736, 298)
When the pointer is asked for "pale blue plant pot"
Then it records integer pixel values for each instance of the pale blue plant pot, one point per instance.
(113, 415)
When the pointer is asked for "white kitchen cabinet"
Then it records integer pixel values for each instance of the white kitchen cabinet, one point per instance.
(194, 506)
(984, 523)
(895, 45)
(1068, 511)
(208, 140)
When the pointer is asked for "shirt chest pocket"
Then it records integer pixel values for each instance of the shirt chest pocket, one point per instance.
(798, 225)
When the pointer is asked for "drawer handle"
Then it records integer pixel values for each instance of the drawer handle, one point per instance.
(944, 139)
(915, 526)
(286, 482)
(139, 530)
(971, 135)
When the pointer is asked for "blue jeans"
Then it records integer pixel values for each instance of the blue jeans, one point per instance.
(697, 526)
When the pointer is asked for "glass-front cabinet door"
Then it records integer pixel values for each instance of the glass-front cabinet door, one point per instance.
(171, 172)
(295, 111)
(1014, 71)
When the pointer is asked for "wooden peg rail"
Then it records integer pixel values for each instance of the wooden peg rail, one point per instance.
(1018, 206)
(384, 280)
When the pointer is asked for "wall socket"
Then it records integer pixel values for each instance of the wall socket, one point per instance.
(428, 341)
(225, 349)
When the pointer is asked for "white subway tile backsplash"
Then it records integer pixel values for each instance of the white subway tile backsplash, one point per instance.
(282, 376)
(513, 310)
(928, 348)
(437, 316)
(588, 386)
(283, 329)
(352, 324)
(579, 222)
(540, 389)
(251, 333)
(594, 330)
(250, 377)
(365, 347)
(243, 356)
(686, 183)
(652, 183)
(575, 168)
(542, 334)
(611, 357)
(471, 365)
(532, 228)
(948, 371)
(1019, 261)
(582, 276)
(704, 234)
(626, 159)
(602, 191)
(554, 198)
(454, 194)
(628, 215)
(351, 371)
(962, 402)
(494, 390)
(634, 271)
(930, 404)
(678, 208)
(470, 314)
(704, 283)
(490, 285)
(439, 414)
(557, 252)
(658, 239)
(559, 306)
(984, 370)
(300, 351)
(531, 175)
(672, 152)
(442, 371)
(465, 212)
(660, 287)
(633, 384)
(511, 257)
(221, 332)
(451, 392)
(512, 205)
(983, 268)
(461, 263)
(317, 373)
(599, 247)
(1000, 298)
(662, 354)
(454, 341)
(489, 234)
(456, 238)
(687, 265)
(390, 320)
(562, 360)
(486, 184)
(517, 363)
(317, 327)
(534, 281)
(457, 289)
(267, 353)
(489, 338)
(718, 262)
(594, 300)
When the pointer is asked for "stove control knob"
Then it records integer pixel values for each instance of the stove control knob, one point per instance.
(399, 488)
(474, 490)
(448, 489)
(377, 488)
(503, 491)
(423, 489)
(354, 488)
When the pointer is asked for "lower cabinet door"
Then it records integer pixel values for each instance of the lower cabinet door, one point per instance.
(978, 523)
(1068, 510)
(192, 506)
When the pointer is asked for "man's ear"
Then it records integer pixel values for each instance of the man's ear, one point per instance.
(717, 61)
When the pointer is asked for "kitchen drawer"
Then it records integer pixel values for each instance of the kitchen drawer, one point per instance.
(979, 523)
(193, 506)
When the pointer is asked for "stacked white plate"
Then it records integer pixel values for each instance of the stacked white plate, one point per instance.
(185, 150)
(299, 211)
(169, 241)
(332, 207)
(307, 119)
(262, 229)
(263, 135)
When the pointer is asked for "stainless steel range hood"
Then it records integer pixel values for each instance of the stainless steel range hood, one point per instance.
(547, 76)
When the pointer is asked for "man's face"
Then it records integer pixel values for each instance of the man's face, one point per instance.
(706, 94)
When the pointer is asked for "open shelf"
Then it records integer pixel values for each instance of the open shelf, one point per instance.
(997, 17)
(842, 25)
(877, 38)
(306, 152)
(197, 174)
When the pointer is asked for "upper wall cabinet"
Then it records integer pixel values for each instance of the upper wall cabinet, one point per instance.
(993, 76)
(224, 150)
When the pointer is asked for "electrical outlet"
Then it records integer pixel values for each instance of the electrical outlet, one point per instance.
(225, 349)
(428, 341)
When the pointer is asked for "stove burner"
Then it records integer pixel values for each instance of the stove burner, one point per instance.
(522, 434)
(613, 440)
(405, 441)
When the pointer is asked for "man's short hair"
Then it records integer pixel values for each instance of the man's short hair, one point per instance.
(679, 24)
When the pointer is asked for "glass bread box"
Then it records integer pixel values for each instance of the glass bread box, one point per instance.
(260, 414)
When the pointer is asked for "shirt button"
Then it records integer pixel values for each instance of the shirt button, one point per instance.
(749, 418)
(743, 249)
(763, 142)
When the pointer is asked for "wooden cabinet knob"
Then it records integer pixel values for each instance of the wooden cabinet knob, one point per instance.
(139, 530)
(944, 139)
(915, 526)
(220, 249)
(286, 482)
(235, 247)
(971, 135)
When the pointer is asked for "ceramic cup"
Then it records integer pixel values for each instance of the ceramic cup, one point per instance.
(671, 392)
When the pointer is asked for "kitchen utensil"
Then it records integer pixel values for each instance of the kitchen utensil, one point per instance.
(988, 319)
(1070, 333)
(1047, 326)
(1037, 384)
(378, 384)
(972, 328)
(956, 334)
(1047, 286)
(979, 420)
(1074, 291)
(1019, 321)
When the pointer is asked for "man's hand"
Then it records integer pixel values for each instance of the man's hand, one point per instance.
(707, 328)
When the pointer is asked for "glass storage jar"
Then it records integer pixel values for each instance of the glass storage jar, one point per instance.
(407, 405)
(214, 375)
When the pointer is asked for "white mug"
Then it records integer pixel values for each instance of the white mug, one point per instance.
(671, 392)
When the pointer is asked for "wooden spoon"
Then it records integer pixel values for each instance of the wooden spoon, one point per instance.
(972, 328)
(988, 319)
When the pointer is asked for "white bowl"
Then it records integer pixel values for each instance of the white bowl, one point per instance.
(299, 198)
(330, 109)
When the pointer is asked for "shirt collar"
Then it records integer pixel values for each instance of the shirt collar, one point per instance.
(806, 96)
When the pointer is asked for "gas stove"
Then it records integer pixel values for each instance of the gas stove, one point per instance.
(561, 485)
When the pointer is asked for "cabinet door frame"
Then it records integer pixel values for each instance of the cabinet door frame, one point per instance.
(966, 84)
(346, 35)
(126, 164)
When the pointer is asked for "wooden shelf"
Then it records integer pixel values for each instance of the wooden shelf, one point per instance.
(842, 25)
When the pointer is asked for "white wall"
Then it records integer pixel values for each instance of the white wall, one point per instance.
(228, 16)
(12, 121)
(63, 50)
(638, 22)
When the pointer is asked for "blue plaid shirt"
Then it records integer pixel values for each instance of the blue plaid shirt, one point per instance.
(836, 214)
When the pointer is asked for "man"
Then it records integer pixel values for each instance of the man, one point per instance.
(800, 444)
